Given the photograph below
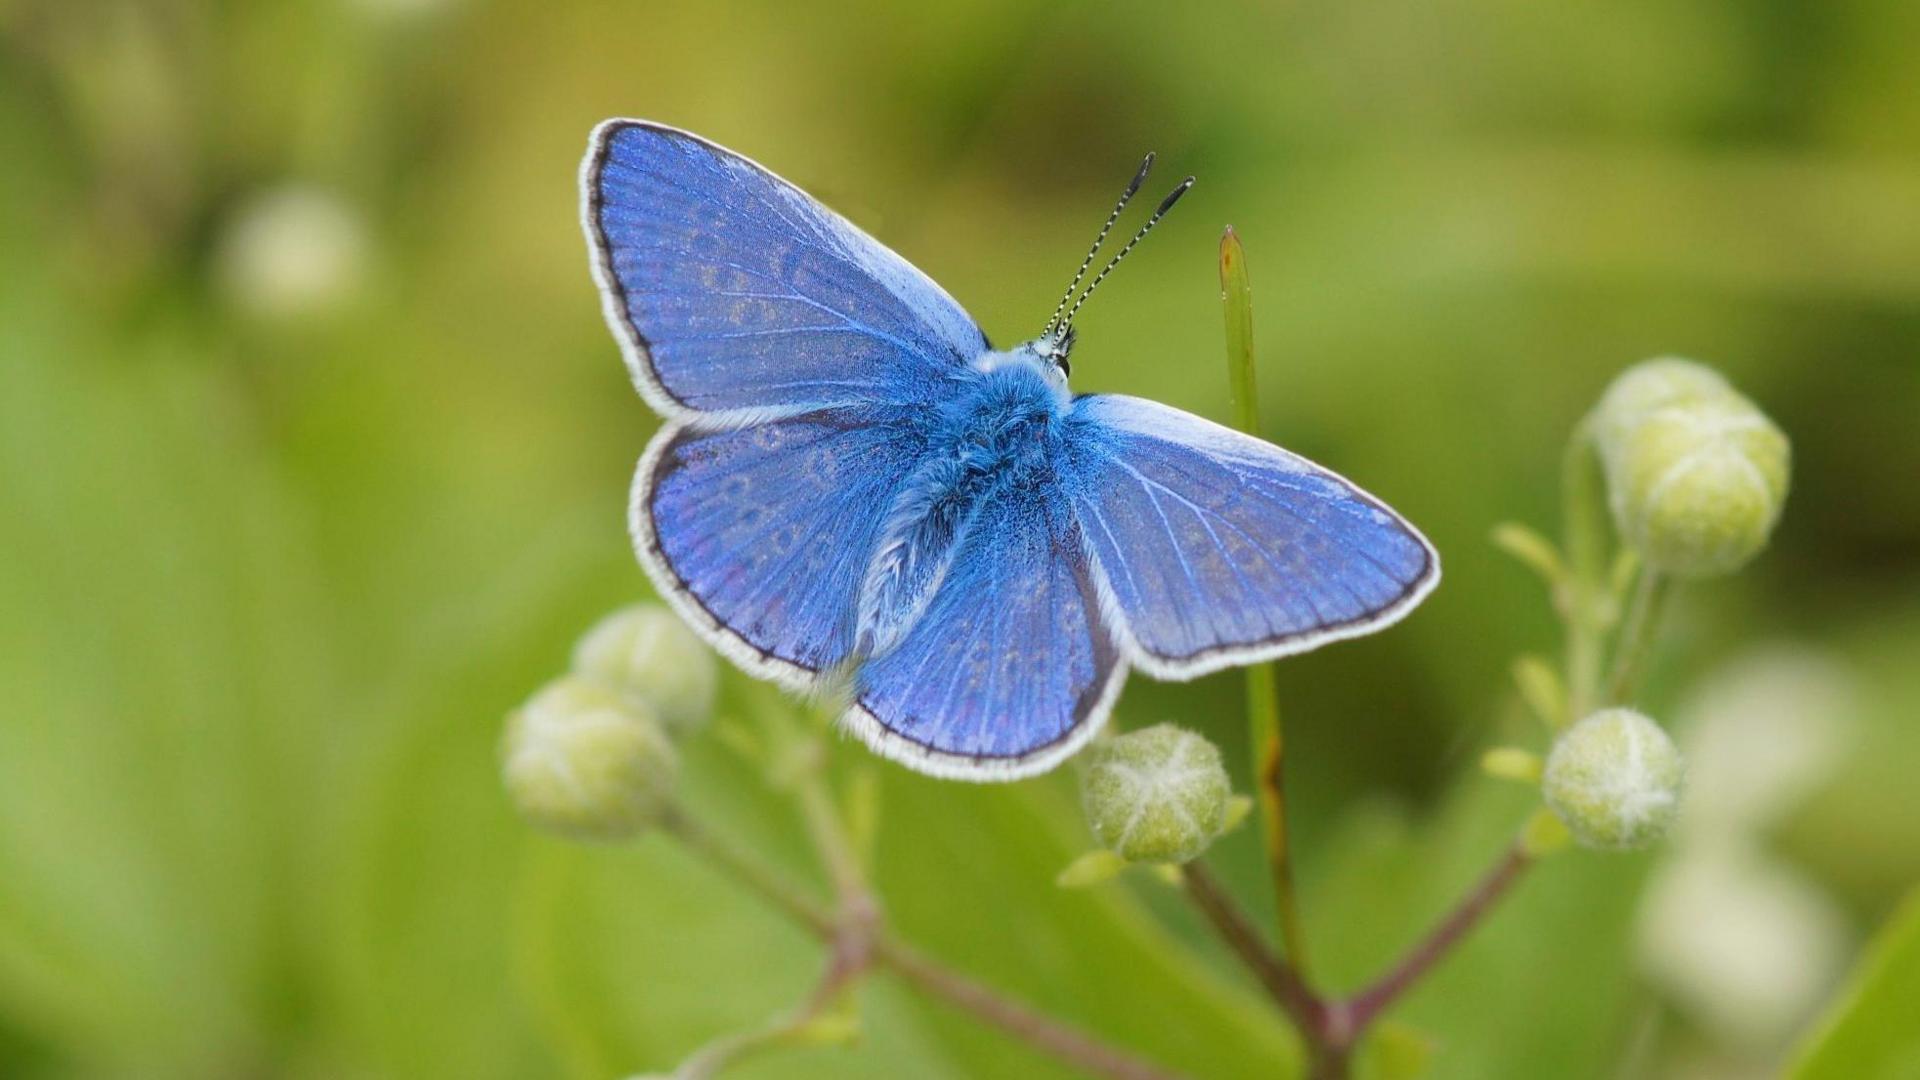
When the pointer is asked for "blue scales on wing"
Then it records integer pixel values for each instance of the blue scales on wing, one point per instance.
(1217, 548)
(732, 291)
(761, 535)
(1009, 669)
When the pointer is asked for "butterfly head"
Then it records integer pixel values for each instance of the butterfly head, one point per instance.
(1044, 356)
(1053, 348)
(1056, 341)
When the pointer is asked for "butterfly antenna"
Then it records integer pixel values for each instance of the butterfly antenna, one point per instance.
(1133, 188)
(1159, 212)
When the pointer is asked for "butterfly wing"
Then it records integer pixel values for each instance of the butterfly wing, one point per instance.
(760, 536)
(733, 292)
(1215, 548)
(1010, 670)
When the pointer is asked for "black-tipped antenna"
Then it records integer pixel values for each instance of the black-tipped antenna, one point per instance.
(1146, 164)
(1159, 212)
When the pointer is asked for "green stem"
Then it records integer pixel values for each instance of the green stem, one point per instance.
(1585, 538)
(1268, 738)
(1236, 295)
(829, 833)
(1064, 1042)
(1637, 635)
(756, 876)
(1265, 733)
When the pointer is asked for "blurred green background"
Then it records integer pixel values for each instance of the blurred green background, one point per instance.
(314, 451)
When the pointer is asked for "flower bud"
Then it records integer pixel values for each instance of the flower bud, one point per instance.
(1653, 385)
(1696, 474)
(1614, 779)
(647, 655)
(1156, 795)
(580, 759)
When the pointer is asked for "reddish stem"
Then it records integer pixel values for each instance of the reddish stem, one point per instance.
(1279, 979)
(1331, 1029)
(1352, 1017)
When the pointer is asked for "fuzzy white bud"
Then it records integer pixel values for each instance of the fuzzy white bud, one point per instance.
(1614, 779)
(646, 654)
(581, 759)
(1696, 474)
(1156, 795)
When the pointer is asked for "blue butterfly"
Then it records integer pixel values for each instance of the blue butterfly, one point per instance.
(853, 484)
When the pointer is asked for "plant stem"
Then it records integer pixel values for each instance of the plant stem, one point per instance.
(1581, 501)
(1064, 1042)
(1281, 982)
(1067, 1043)
(1236, 296)
(756, 876)
(1637, 634)
(1266, 736)
(829, 835)
(1346, 1021)
(1332, 1029)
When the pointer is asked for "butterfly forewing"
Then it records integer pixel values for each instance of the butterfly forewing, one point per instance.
(732, 291)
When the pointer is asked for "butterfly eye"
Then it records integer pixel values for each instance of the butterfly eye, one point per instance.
(1066, 369)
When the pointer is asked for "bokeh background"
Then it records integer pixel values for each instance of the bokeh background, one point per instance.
(314, 451)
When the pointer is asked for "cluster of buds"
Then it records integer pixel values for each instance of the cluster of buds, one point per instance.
(591, 754)
(1696, 473)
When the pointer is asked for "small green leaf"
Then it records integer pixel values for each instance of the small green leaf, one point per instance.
(1394, 1051)
(1533, 551)
(1544, 834)
(1093, 868)
(1540, 687)
(1511, 763)
(1870, 1031)
(1238, 807)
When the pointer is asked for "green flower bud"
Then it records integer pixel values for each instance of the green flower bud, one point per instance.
(1695, 473)
(647, 655)
(1653, 385)
(1156, 795)
(579, 758)
(1614, 779)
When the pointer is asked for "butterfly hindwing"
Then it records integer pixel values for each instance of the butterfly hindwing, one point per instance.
(1216, 548)
(732, 291)
(761, 535)
(1010, 669)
